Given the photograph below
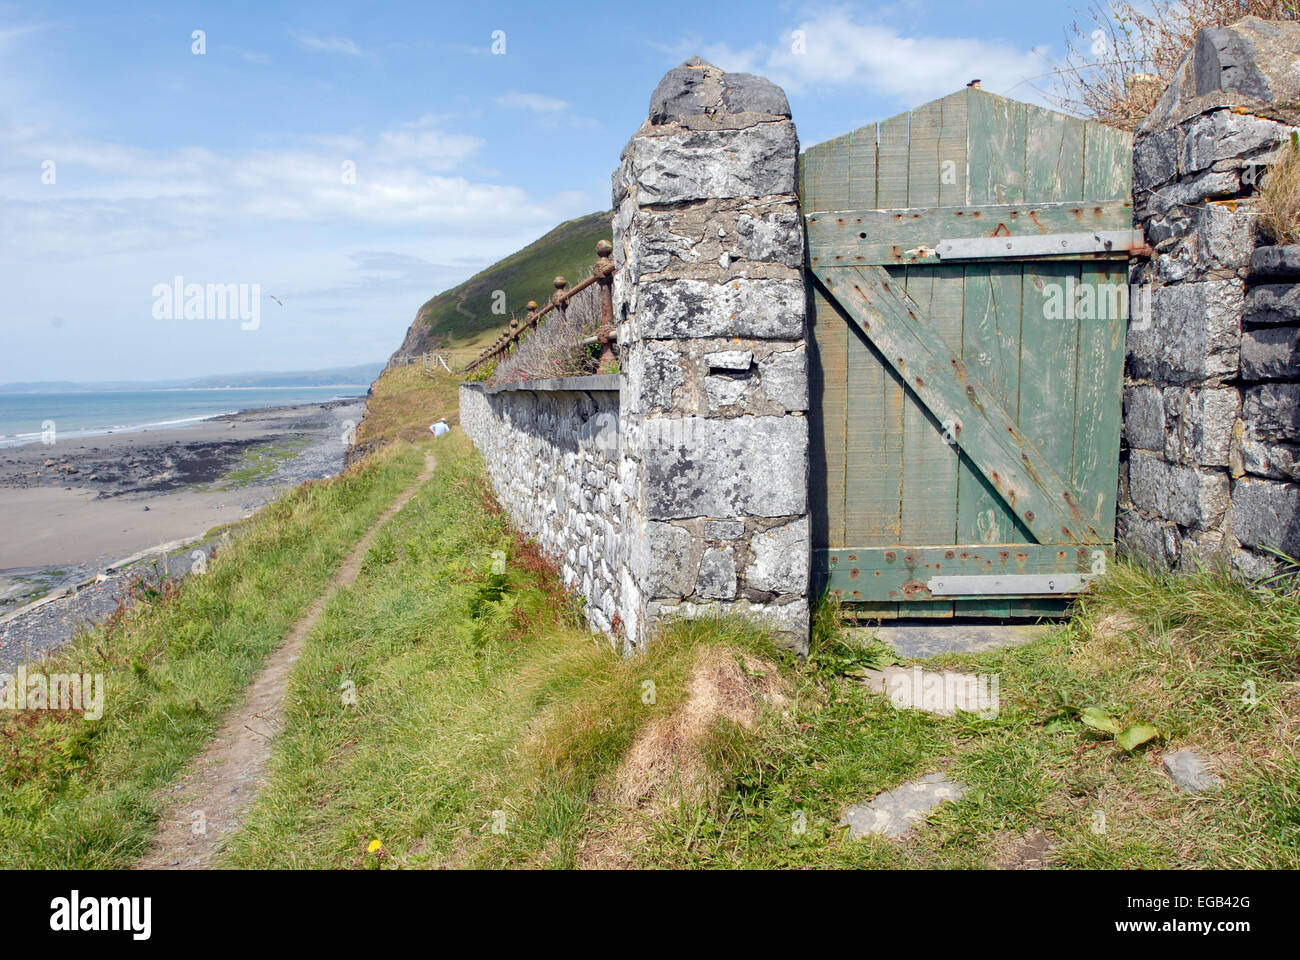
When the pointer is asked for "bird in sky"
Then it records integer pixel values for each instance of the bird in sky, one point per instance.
(275, 298)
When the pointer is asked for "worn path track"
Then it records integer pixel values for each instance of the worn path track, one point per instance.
(224, 780)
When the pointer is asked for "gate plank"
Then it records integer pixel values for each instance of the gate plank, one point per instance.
(873, 465)
(862, 167)
(891, 162)
(1099, 401)
(929, 463)
(1026, 482)
(991, 349)
(827, 175)
(874, 449)
(1049, 364)
(954, 168)
(828, 389)
(997, 148)
(902, 573)
(923, 167)
(1107, 163)
(1053, 148)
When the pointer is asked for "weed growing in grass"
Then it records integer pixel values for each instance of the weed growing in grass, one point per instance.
(832, 652)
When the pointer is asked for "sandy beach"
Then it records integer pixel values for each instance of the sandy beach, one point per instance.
(69, 509)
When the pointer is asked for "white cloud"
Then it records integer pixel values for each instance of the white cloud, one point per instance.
(310, 41)
(422, 143)
(843, 51)
(111, 196)
(548, 111)
(534, 102)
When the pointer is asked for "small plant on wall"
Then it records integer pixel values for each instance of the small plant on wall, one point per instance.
(483, 372)
(561, 345)
(1121, 54)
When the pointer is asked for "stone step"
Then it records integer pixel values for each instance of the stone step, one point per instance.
(894, 813)
(917, 641)
(943, 693)
(1187, 768)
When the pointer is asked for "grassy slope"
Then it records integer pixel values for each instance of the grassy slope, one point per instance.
(466, 310)
(481, 702)
(84, 793)
(403, 402)
(455, 669)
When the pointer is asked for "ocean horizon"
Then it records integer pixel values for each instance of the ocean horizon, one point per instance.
(26, 418)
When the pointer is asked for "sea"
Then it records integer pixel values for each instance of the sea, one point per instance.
(28, 417)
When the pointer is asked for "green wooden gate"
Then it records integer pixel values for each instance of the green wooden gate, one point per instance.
(968, 270)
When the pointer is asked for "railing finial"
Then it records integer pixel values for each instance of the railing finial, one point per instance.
(603, 271)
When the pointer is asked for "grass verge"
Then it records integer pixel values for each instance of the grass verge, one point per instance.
(450, 709)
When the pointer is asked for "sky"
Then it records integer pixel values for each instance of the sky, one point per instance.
(352, 160)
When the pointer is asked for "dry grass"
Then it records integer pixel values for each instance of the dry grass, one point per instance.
(671, 761)
(1121, 56)
(668, 760)
(1279, 200)
(556, 348)
(403, 402)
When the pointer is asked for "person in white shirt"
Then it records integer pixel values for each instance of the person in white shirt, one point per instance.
(439, 428)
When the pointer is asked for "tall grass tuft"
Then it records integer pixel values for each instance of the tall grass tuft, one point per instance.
(1279, 200)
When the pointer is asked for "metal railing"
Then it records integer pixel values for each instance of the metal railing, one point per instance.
(602, 274)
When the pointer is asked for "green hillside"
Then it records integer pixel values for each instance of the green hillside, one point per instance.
(466, 310)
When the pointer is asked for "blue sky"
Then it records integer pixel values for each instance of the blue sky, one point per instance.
(227, 166)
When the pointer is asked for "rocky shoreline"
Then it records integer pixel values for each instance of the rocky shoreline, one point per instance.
(85, 517)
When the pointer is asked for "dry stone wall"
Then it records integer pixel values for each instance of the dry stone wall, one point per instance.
(1212, 401)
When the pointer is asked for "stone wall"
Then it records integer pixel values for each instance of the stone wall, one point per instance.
(1212, 397)
(552, 456)
(710, 305)
(694, 503)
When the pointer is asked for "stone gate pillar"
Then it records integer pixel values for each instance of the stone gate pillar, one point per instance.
(1212, 403)
(709, 302)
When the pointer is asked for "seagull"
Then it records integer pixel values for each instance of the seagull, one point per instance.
(275, 298)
